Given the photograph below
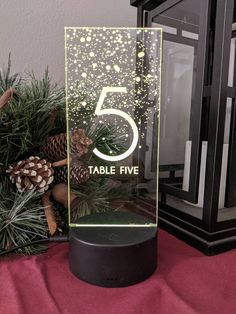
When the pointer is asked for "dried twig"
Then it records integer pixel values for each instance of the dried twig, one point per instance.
(6, 97)
(60, 163)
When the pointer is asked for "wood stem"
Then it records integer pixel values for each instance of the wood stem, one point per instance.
(49, 213)
(60, 163)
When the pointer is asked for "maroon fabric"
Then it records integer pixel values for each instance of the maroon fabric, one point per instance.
(186, 282)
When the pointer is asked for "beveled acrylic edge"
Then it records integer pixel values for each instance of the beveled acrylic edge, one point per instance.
(114, 225)
(104, 28)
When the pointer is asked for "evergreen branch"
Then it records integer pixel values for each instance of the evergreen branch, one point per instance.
(97, 195)
(21, 219)
(105, 139)
(38, 112)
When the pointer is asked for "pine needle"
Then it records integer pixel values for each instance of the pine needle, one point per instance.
(6, 79)
(97, 195)
(22, 220)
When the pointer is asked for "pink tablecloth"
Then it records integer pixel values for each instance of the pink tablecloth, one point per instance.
(186, 282)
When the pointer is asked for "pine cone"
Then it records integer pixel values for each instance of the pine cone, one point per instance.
(78, 175)
(32, 173)
(54, 147)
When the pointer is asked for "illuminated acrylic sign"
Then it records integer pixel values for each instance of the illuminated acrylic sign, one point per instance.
(113, 98)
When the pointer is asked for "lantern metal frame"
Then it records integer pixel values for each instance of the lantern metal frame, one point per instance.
(208, 112)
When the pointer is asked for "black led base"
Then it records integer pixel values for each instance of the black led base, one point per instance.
(113, 256)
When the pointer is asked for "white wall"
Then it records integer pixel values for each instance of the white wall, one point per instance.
(33, 30)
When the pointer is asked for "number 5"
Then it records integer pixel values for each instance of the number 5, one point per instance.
(99, 112)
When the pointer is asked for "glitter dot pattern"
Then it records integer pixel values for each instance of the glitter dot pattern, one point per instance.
(109, 57)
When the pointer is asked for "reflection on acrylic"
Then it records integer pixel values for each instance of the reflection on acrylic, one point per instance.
(113, 98)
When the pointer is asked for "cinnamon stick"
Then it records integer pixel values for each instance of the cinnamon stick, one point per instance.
(49, 213)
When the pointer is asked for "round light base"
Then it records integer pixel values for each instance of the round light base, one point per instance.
(113, 256)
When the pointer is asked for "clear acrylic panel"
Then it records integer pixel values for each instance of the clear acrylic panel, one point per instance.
(113, 100)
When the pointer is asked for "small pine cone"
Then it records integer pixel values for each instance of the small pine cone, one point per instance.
(32, 173)
(79, 142)
(78, 175)
(54, 148)
(60, 175)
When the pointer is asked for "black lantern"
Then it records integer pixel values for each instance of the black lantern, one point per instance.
(198, 119)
